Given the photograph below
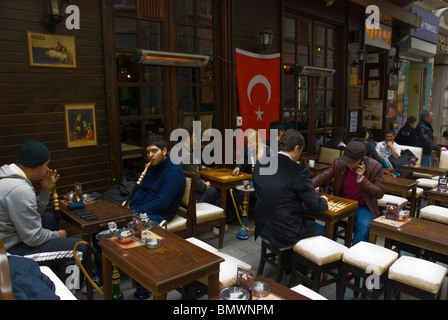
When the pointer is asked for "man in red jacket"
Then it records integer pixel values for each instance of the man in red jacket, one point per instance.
(359, 178)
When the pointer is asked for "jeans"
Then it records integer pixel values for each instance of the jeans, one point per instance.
(362, 229)
(426, 160)
(212, 195)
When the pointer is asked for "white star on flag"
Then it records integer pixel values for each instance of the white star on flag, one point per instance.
(259, 113)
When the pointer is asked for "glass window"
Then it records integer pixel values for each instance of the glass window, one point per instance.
(205, 12)
(186, 99)
(289, 53)
(130, 133)
(152, 74)
(150, 35)
(184, 11)
(153, 100)
(290, 30)
(185, 39)
(129, 101)
(156, 126)
(207, 99)
(127, 71)
(205, 41)
(125, 32)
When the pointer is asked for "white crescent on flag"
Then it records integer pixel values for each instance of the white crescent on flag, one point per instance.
(255, 80)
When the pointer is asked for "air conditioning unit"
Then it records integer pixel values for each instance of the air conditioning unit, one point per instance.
(164, 58)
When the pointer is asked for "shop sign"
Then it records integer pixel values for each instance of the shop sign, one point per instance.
(380, 37)
(429, 28)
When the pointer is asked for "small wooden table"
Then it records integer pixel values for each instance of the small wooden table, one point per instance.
(434, 195)
(397, 184)
(223, 179)
(331, 217)
(318, 168)
(176, 263)
(417, 232)
(282, 291)
(435, 171)
(106, 210)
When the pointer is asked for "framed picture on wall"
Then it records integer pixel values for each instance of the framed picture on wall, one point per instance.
(80, 125)
(51, 50)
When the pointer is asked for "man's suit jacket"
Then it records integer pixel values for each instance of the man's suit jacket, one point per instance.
(281, 200)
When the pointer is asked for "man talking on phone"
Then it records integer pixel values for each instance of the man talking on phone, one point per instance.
(359, 178)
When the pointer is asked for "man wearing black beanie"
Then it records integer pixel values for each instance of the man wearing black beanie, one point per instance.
(25, 228)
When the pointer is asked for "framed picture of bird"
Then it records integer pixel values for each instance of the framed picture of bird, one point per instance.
(51, 50)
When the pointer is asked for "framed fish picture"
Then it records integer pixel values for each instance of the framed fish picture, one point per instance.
(51, 50)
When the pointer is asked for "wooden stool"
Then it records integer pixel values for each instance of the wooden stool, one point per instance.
(364, 260)
(434, 213)
(321, 255)
(281, 253)
(417, 277)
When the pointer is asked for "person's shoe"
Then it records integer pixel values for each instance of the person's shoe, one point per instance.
(216, 229)
(97, 281)
(142, 293)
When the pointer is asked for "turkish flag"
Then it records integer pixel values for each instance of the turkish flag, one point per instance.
(258, 79)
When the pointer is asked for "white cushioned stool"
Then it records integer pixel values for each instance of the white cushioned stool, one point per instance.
(307, 292)
(363, 259)
(434, 213)
(269, 254)
(417, 277)
(321, 255)
(388, 198)
(227, 269)
(209, 215)
(427, 183)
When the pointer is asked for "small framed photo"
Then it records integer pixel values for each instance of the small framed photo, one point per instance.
(373, 89)
(51, 50)
(391, 211)
(80, 125)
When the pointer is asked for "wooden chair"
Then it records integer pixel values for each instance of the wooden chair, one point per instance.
(182, 222)
(5, 277)
(328, 154)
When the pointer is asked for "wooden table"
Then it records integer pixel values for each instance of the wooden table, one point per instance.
(222, 179)
(425, 234)
(331, 217)
(435, 171)
(106, 210)
(176, 263)
(282, 291)
(318, 168)
(394, 184)
(434, 195)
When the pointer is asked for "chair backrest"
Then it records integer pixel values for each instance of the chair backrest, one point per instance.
(417, 151)
(328, 154)
(443, 161)
(187, 208)
(5, 276)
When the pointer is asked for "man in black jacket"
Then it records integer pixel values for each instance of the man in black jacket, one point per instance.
(425, 137)
(283, 196)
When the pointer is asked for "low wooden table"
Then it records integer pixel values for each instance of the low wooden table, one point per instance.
(397, 184)
(282, 291)
(222, 179)
(176, 263)
(435, 171)
(106, 210)
(331, 217)
(434, 195)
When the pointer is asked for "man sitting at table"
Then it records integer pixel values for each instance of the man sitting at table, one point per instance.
(161, 190)
(359, 178)
(387, 149)
(283, 196)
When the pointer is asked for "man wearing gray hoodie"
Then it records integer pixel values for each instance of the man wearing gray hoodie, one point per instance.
(25, 228)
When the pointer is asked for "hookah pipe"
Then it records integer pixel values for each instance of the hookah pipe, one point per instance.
(137, 185)
(56, 211)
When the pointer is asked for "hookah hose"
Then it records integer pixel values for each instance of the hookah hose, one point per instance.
(137, 185)
(82, 267)
(237, 209)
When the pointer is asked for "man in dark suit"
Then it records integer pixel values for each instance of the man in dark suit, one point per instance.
(283, 196)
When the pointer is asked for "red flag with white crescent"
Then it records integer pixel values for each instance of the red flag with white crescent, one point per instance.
(258, 78)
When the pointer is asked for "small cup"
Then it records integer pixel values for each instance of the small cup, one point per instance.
(402, 215)
(311, 163)
(260, 290)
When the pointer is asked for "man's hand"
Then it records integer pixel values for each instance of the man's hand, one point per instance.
(62, 234)
(360, 170)
(47, 181)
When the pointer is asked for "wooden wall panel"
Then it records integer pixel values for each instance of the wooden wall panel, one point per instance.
(32, 99)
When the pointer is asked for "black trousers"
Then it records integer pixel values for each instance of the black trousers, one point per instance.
(56, 253)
